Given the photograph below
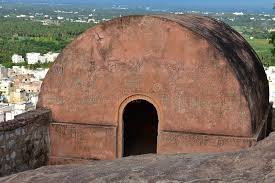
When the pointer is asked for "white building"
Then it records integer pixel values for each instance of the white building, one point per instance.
(40, 73)
(33, 58)
(51, 56)
(272, 92)
(17, 59)
(6, 112)
(42, 59)
(270, 73)
(6, 85)
(23, 107)
(21, 16)
(18, 70)
(9, 111)
(238, 13)
(33, 98)
(93, 20)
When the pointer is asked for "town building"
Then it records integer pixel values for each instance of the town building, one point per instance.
(18, 96)
(6, 112)
(33, 58)
(42, 59)
(17, 59)
(50, 56)
(20, 108)
(31, 87)
(3, 72)
(40, 73)
(20, 88)
(270, 72)
(6, 87)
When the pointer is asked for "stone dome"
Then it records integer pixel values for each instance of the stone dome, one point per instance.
(203, 81)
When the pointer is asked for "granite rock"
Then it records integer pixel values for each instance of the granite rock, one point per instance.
(253, 165)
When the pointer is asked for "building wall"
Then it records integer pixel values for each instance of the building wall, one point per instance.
(33, 58)
(24, 142)
(188, 86)
(17, 59)
(191, 82)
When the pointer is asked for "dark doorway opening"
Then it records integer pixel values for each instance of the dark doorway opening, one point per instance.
(140, 128)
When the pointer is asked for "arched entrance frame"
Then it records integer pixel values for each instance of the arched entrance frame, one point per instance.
(121, 123)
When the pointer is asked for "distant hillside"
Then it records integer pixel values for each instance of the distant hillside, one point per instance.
(249, 5)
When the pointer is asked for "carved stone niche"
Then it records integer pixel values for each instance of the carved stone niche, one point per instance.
(205, 85)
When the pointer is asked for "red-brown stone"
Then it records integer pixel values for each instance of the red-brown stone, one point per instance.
(205, 81)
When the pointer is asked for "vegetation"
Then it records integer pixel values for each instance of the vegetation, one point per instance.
(272, 42)
(264, 50)
(23, 36)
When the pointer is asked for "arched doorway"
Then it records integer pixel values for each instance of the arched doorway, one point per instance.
(140, 130)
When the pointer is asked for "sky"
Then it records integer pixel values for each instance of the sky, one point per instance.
(214, 4)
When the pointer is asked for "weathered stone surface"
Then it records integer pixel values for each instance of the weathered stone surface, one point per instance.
(200, 75)
(184, 63)
(256, 164)
(173, 143)
(83, 141)
(24, 142)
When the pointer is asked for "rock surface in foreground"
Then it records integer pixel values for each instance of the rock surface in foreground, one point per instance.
(253, 165)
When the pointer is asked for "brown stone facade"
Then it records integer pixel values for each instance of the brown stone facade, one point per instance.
(24, 142)
(206, 83)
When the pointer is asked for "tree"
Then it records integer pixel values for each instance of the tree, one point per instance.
(272, 41)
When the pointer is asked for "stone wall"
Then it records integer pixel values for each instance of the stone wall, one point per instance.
(24, 142)
(255, 165)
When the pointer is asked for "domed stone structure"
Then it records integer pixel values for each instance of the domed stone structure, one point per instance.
(155, 84)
